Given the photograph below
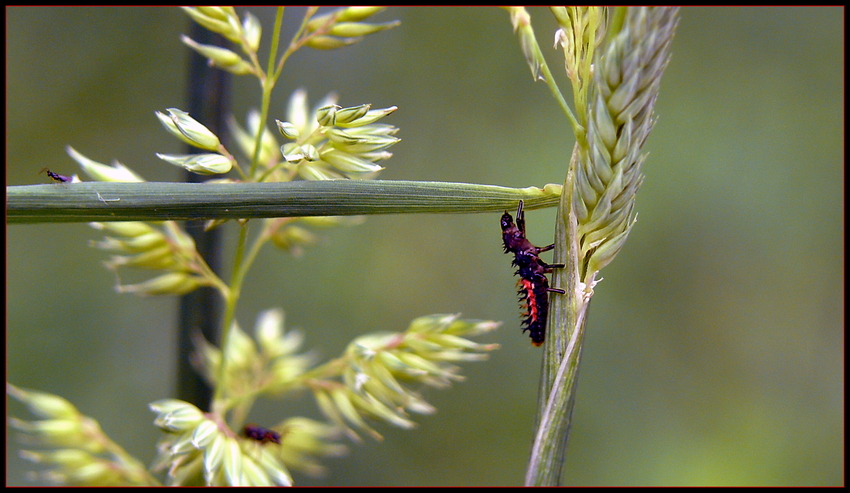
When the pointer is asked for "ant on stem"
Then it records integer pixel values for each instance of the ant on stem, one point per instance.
(56, 176)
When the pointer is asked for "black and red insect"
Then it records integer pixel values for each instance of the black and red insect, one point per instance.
(533, 284)
(260, 434)
(56, 176)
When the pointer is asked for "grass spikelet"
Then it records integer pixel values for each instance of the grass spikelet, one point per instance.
(626, 77)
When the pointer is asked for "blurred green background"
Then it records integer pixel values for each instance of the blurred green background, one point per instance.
(714, 352)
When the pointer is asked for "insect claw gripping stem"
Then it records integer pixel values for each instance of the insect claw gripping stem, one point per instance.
(533, 284)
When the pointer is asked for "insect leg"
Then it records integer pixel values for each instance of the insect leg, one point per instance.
(520, 219)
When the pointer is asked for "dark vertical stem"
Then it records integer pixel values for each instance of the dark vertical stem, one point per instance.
(200, 310)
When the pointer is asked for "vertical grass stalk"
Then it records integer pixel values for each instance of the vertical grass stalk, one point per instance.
(595, 214)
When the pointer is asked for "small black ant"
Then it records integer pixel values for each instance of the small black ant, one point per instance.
(260, 434)
(56, 176)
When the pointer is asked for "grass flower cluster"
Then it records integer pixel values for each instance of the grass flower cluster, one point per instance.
(338, 143)
(379, 371)
(375, 380)
(621, 98)
(81, 453)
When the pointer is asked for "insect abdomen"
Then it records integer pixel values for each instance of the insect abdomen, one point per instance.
(535, 295)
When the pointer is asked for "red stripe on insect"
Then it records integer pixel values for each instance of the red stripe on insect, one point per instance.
(532, 309)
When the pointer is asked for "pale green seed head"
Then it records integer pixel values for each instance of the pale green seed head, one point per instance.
(329, 42)
(159, 258)
(620, 102)
(220, 57)
(348, 115)
(371, 116)
(326, 116)
(348, 163)
(288, 130)
(353, 14)
(43, 404)
(222, 20)
(252, 31)
(202, 164)
(189, 130)
(101, 172)
(171, 283)
(357, 29)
